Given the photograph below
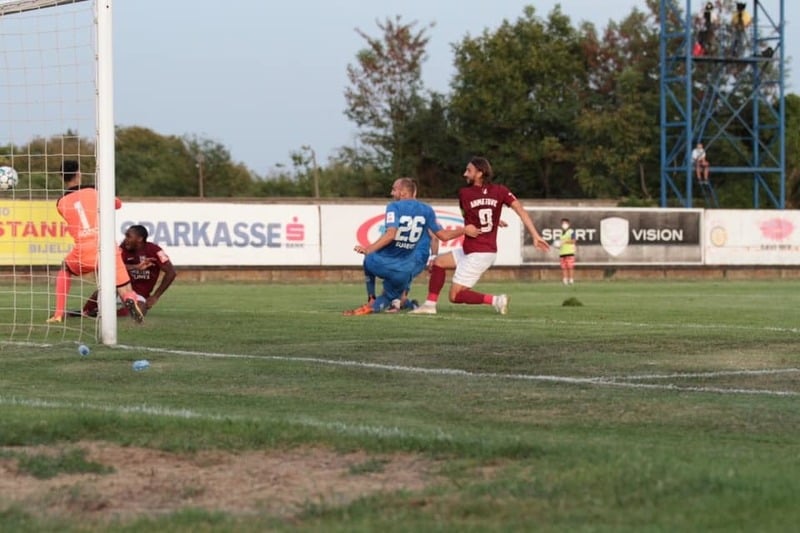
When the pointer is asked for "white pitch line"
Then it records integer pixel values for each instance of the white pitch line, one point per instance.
(614, 382)
(455, 317)
(617, 381)
(342, 428)
(122, 409)
(27, 344)
(667, 325)
(710, 374)
(682, 388)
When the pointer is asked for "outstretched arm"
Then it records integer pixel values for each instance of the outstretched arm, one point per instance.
(449, 234)
(538, 242)
(434, 243)
(382, 242)
(166, 280)
(443, 234)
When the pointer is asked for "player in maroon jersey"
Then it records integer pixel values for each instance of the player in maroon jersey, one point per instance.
(145, 261)
(481, 204)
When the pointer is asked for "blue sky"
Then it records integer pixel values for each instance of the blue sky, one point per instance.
(264, 78)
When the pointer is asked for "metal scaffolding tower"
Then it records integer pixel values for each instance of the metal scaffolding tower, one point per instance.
(722, 85)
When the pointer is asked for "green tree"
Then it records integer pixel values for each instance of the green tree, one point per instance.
(792, 116)
(385, 88)
(617, 153)
(516, 97)
(220, 176)
(346, 175)
(432, 149)
(354, 173)
(277, 184)
(149, 164)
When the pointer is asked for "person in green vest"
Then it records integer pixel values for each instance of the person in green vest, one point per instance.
(566, 252)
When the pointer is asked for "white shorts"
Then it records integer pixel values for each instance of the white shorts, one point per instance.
(470, 267)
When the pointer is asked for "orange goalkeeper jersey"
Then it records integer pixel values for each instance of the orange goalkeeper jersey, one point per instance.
(78, 207)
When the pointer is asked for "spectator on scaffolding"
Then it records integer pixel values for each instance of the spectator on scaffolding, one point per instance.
(706, 34)
(701, 165)
(741, 19)
(739, 23)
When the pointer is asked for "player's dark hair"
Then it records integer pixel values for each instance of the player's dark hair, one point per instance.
(69, 169)
(483, 165)
(139, 230)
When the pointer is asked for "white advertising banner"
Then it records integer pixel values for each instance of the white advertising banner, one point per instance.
(752, 237)
(343, 227)
(237, 234)
(227, 234)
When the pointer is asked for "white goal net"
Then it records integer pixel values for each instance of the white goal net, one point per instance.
(51, 111)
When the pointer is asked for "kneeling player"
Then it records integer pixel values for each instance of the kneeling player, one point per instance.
(145, 262)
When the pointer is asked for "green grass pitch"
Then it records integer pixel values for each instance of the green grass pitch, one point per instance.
(654, 406)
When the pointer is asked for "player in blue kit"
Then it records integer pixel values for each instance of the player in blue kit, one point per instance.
(392, 257)
(427, 247)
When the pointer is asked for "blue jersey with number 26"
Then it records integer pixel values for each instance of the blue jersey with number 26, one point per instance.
(412, 219)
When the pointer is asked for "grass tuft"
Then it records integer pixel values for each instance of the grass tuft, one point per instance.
(44, 466)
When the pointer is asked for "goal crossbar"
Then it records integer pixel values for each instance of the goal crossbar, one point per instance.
(21, 6)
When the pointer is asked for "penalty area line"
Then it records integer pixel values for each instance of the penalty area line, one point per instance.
(710, 374)
(685, 388)
(615, 381)
(367, 365)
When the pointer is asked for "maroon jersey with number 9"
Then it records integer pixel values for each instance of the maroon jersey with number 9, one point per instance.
(481, 207)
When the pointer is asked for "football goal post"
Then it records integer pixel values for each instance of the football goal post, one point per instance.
(56, 105)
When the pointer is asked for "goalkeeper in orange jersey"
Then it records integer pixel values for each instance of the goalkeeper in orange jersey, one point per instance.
(78, 208)
(145, 261)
